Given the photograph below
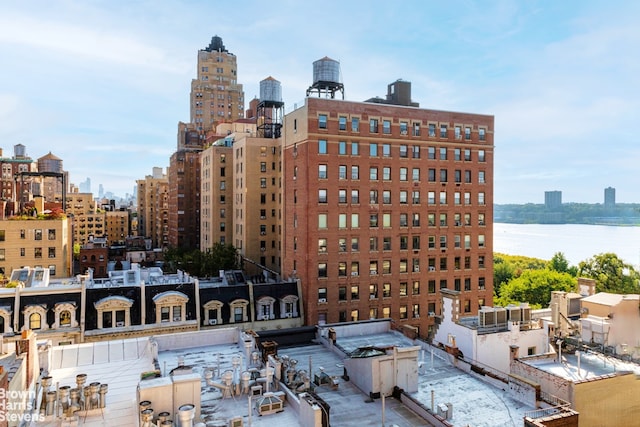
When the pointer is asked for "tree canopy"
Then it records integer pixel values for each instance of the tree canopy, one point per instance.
(610, 273)
(534, 287)
(202, 264)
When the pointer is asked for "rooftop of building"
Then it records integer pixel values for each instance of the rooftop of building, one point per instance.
(582, 365)
(609, 299)
(120, 365)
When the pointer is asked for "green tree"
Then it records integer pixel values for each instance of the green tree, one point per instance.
(534, 287)
(610, 273)
(560, 264)
(503, 272)
(201, 264)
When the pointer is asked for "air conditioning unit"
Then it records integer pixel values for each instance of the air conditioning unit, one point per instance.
(119, 324)
(417, 316)
(403, 132)
(289, 315)
(323, 300)
(374, 273)
(263, 233)
(177, 319)
(432, 314)
(416, 270)
(432, 268)
(213, 321)
(354, 273)
(372, 297)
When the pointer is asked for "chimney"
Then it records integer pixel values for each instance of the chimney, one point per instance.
(39, 204)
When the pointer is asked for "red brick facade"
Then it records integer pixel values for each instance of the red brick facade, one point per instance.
(379, 216)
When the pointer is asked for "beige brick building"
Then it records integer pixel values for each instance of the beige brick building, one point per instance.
(117, 226)
(36, 243)
(153, 208)
(88, 220)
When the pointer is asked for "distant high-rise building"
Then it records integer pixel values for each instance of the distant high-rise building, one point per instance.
(85, 187)
(552, 199)
(609, 197)
(100, 191)
(216, 97)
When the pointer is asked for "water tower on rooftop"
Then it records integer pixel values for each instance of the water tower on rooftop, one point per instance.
(270, 110)
(326, 78)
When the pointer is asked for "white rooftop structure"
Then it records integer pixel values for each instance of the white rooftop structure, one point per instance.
(208, 356)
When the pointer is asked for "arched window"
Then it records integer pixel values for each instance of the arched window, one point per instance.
(212, 313)
(35, 321)
(35, 317)
(5, 320)
(289, 306)
(114, 312)
(65, 315)
(170, 307)
(239, 311)
(264, 308)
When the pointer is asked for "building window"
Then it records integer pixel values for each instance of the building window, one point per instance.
(212, 313)
(355, 149)
(373, 149)
(355, 172)
(171, 305)
(404, 151)
(355, 292)
(467, 133)
(322, 245)
(342, 171)
(482, 134)
(239, 312)
(443, 131)
(373, 125)
(37, 234)
(342, 123)
(322, 146)
(386, 126)
(322, 269)
(322, 195)
(386, 173)
(342, 147)
(322, 171)
(322, 121)
(355, 124)
(52, 252)
(37, 252)
(386, 150)
(386, 290)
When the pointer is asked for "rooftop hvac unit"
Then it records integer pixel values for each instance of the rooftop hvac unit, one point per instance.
(514, 314)
(501, 316)
(486, 317)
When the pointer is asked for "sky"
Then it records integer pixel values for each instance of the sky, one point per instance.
(103, 84)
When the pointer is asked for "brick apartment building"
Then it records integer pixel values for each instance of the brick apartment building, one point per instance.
(383, 206)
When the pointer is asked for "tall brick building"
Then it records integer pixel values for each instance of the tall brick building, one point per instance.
(384, 205)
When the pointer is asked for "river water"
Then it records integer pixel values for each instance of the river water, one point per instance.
(577, 242)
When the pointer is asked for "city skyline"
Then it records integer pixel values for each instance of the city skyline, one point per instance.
(104, 85)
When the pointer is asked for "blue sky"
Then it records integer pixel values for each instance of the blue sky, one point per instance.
(103, 84)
